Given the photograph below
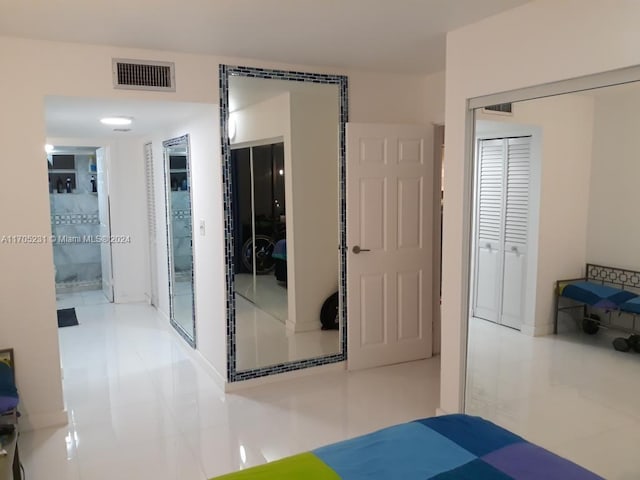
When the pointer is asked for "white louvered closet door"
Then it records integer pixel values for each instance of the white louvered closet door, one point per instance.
(489, 229)
(151, 225)
(515, 230)
(502, 229)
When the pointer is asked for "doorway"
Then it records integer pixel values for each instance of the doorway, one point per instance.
(80, 224)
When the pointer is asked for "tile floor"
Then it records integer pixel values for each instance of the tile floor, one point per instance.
(140, 407)
(572, 394)
(183, 305)
(266, 292)
(263, 340)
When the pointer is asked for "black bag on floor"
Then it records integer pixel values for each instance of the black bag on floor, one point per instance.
(330, 314)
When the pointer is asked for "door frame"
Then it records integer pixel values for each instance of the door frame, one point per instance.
(436, 262)
(92, 143)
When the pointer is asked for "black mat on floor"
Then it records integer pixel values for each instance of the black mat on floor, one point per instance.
(67, 317)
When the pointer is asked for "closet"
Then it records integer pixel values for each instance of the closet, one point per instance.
(501, 229)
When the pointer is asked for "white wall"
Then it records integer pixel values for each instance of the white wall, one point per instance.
(313, 204)
(206, 177)
(268, 119)
(563, 126)
(34, 69)
(603, 36)
(614, 232)
(128, 210)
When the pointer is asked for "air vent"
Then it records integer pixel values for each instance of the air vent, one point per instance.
(143, 75)
(504, 108)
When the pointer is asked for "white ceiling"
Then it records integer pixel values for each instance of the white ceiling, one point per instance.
(80, 117)
(380, 35)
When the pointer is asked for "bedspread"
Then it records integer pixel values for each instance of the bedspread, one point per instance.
(446, 447)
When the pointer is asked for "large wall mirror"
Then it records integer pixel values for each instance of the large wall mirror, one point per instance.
(283, 173)
(179, 236)
(555, 208)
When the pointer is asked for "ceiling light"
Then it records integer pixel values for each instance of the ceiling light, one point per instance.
(116, 120)
(48, 148)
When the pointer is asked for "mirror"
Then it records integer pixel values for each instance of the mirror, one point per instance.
(283, 173)
(179, 236)
(554, 217)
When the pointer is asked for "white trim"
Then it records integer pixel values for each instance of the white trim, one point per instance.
(280, 377)
(571, 85)
(440, 412)
(43, 420)
(257, 143)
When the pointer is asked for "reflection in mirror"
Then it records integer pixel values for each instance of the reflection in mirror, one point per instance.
(284, 157)
(261, 274)
(179, 236)
(554, 237)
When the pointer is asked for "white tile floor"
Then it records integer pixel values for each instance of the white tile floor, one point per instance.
(266, 292)
(183, 305)
(571, 393)
(263, 340)
(140, 408)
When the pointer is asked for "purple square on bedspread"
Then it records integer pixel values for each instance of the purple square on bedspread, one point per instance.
(525, 461)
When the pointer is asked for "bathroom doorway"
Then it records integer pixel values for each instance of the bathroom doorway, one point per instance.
(80, 226)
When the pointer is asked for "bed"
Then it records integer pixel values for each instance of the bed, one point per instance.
(609, 290)
(447, 447)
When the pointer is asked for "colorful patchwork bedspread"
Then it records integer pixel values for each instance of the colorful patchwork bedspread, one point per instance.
(443, 448)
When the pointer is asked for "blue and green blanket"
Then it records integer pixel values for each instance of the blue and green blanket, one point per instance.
(443, 448)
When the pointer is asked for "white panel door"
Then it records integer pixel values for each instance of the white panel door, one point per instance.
(389, 281)
(104, 215)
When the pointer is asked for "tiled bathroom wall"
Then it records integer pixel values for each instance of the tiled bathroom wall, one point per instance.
(75, 228)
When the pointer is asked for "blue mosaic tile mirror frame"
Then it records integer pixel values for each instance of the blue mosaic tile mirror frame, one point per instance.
(225, 72)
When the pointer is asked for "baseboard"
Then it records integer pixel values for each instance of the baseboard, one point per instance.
(537, 330)
(195, 354)
(117, 298)
(299, 327)
(280, 377)
(43, 420)
(215, 375)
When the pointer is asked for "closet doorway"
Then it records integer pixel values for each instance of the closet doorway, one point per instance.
(502, 229)
(260, 222)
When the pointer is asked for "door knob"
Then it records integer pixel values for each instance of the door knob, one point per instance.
(357, 249)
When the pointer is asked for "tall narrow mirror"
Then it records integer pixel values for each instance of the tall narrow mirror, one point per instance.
(179, 236)
(283, 148)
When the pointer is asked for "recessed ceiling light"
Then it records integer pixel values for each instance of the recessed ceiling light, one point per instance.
(116, 120)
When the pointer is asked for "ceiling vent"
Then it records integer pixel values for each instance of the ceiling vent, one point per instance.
(503, 108)
(144, 75)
